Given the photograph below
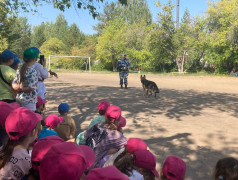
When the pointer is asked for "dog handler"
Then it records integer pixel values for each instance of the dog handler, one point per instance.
(42, 74)
(124, 66)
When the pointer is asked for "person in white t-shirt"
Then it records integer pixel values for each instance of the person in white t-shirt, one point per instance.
(42, 74)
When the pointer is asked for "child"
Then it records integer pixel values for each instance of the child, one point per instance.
(51, 122)
(42, 74)
(145, 164)
(27, 77)
(104, 136)
(40, 149)
(174, 168)
(7, 75)
(102, 107)
(40, 108)
(124, 161)
(22, 126)
(109, 172)
(226, 169)
(15, 63)
(66, 161)
(6, 109)
(67, 128)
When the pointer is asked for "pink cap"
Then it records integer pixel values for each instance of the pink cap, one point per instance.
(108, 173)
(41, 147)
(113, 113)
(40, 101)
(6, 109)
(134, 144)
(102, 107)
(174, 168)
(147, 160)
(122, 123)
(53, 120)
(20, 122)
(66, 161)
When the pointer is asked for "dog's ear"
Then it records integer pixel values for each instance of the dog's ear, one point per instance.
(144, 76)
(141, 76)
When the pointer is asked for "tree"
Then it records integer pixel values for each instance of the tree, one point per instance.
(161, 41)
(19, 37)
(222, 26)
(74, 36)
(53, 46)
(38, 35)
(112, 43)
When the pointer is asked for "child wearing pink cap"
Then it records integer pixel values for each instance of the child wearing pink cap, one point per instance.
(6, 109)
(51, 122)
(174, 168)
(22, 126)
(102, 107)
(41, 147)
(226, 168)
(66, 161)
(108, 173)
(104, 136)
(40, 108)
(66, 129)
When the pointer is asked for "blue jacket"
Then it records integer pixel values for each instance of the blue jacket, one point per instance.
(126, 63)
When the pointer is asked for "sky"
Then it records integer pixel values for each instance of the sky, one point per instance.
(85, 21)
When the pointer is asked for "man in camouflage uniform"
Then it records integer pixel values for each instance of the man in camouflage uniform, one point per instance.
(123, 65)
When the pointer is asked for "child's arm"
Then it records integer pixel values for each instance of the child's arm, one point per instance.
(72, 128)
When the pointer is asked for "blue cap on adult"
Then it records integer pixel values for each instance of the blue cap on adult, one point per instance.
(36, 49)
(16, 60)
(6, 55)
(63, 108)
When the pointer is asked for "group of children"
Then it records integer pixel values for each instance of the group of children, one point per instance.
(36, 147)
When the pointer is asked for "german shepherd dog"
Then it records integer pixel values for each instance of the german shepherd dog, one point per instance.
(149, 87)
(53, 74)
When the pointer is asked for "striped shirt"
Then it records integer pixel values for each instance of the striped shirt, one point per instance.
(110, 139)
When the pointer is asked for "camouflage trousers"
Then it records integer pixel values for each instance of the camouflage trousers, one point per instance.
(123, 76)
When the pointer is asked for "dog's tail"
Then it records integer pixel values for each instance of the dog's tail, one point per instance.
(156, 88)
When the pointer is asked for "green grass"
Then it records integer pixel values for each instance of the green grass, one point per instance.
(202, 73)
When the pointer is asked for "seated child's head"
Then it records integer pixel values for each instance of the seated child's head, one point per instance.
(125, 161)
(112, 117)
(63, 108)
(226, 168)
(102, 107)
(6, 109)
(40, 105)
(174, 168)
(145, 163)
(109, 172)
(66, 161)
(22, 126)
(53, 120)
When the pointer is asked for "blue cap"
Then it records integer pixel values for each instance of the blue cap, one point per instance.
(63, 108)
(36, 49)
(7, 55)
(16, 60)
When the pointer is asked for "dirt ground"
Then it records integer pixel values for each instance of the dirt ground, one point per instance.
(194, 118)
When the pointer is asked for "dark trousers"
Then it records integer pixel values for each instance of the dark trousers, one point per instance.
(123, 76)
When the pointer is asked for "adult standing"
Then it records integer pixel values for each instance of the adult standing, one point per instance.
(42, 74)
(123, 65)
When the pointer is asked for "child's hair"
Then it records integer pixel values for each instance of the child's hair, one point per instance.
(7, 150)
(125, 162)
(23, 71)
(226, 169)
(111, 125)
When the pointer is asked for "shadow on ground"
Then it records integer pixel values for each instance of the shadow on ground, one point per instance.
(172, 103)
